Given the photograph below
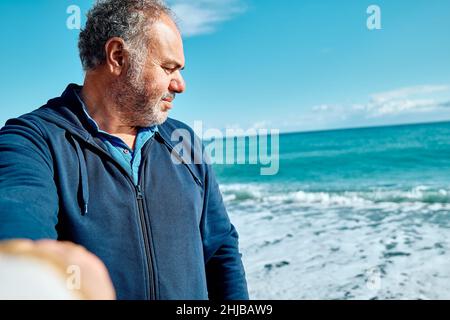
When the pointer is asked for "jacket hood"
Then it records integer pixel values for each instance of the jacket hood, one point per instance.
(66, 112)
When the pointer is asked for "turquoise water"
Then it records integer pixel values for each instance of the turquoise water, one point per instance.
(351, 214)
(361, 158)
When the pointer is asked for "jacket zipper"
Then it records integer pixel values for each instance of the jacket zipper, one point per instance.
(144, 228)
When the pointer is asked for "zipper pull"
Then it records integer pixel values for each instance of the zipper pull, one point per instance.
(140, 195)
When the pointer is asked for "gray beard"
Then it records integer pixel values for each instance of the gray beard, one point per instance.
(135, 103)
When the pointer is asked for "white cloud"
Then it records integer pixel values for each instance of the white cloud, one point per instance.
(405, 105)
(322, 107)
(408, 92)
(197, 17)
(405, 100)
(410, 104)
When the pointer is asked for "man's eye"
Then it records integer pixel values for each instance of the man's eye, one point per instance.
(168, 70)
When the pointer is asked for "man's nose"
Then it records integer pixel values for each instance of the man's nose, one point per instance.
(177, 84)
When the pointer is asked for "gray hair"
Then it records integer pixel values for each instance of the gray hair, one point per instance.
(126, 19)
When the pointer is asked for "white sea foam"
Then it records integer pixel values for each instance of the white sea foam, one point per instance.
(380, 243)
(432, 199)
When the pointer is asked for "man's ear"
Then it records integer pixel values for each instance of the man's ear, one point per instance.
(116, 56)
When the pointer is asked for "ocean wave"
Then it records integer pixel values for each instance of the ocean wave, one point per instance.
(271, 194)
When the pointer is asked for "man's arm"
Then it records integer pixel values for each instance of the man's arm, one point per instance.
(224, 269)
(28, 196)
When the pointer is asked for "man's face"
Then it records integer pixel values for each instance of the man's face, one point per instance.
(145, 93)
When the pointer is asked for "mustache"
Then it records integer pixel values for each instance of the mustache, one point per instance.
(169, 95)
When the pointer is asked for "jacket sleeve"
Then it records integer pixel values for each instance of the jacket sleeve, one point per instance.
(224, 269)
(28, 196)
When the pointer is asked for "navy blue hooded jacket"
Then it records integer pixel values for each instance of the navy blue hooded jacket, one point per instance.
(167, 238)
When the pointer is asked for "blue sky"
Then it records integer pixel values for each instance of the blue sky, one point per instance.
(288, 65)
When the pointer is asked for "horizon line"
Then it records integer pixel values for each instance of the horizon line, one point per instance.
(337, 129)
(368, 127)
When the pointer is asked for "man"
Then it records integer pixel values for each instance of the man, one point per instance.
(96, 166)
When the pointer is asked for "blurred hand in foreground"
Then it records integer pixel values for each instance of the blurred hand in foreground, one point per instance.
(49, 269)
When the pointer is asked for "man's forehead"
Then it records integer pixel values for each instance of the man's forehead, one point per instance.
(165, 39)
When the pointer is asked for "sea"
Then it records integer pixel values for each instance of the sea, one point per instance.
(351, 214)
